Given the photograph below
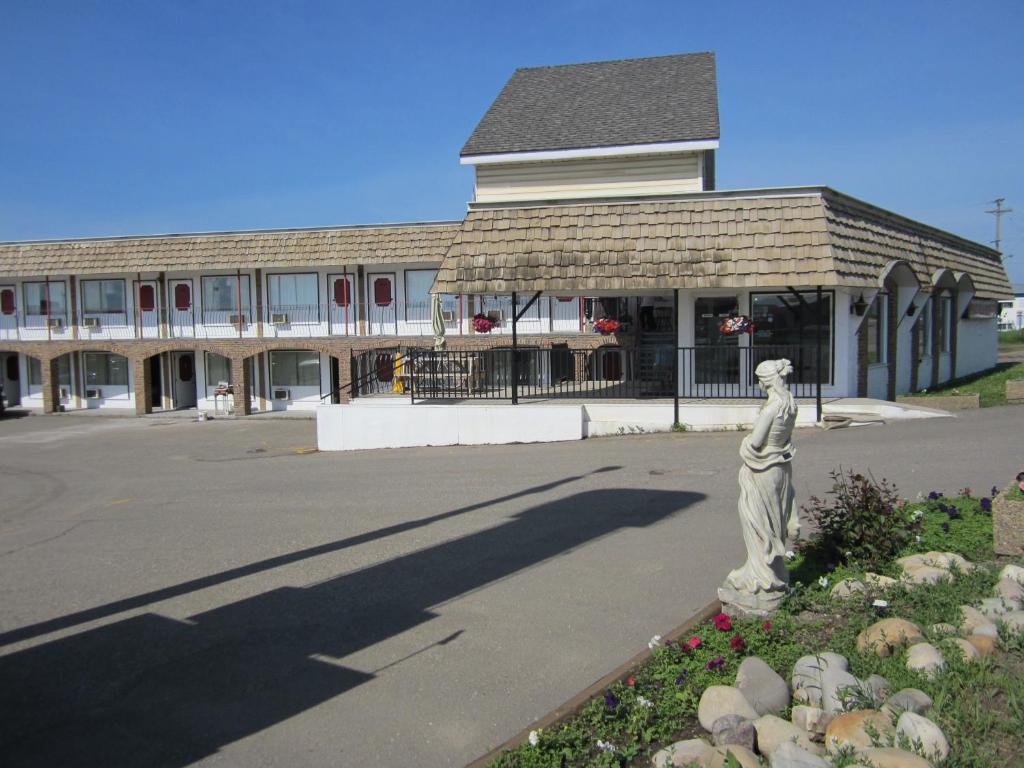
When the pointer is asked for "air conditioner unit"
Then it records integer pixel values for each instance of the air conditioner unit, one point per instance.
(56, 322)
(62, 393)
(236, 319)
(282, 394)
(448, 315)
(279, 318)
(91, 322)
(93, 393)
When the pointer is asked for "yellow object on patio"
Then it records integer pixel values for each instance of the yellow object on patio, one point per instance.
(398, 382)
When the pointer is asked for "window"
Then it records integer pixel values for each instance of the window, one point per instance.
(35, 371)
(945, 322)
(6, 301)
(786, 324)
(876, 328)
(103, 297)
(924, 331)
(105, 370)
(417, 293)
(46, 299)
(295, 369)
(292, 291)
(218, 371)
(147, 298)
(220, 294)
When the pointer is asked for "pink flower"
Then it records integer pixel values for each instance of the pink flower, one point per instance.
(693, 643)
(737, 643)
(722, 622)
(716, 663)
(766, 627)
(631, 681)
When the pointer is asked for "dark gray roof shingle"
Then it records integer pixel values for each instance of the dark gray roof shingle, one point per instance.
(602, 104)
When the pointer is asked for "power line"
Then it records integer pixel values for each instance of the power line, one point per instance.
(999, 212)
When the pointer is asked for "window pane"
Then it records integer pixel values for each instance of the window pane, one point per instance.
(36, 299)
(924, 330)
(35, 372)
(787, 325)
(105, 370)
(64, 370)
(103, 296)
(218, 370)
(293, 290)
(295, 369)
(220, 294)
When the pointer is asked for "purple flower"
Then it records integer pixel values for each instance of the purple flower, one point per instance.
(943, 509)
(682, 678)
(716, 663)
(995, 491)
(934, 495)
(611, 701)
(945, 527)
(986, 505)
(953, 513)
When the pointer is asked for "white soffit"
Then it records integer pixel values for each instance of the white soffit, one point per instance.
(572, 154)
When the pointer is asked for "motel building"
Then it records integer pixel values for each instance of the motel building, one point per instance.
(597, 263)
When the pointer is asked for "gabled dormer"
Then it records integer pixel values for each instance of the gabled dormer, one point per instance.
(602, 129)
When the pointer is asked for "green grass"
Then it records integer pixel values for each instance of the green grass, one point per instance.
(1007, 338)
(990, 384)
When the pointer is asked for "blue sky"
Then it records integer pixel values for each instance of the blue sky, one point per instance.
(135, 117)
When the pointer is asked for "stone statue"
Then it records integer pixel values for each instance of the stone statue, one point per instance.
(767, 504)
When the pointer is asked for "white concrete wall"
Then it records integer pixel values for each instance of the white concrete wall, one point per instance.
(977, 346)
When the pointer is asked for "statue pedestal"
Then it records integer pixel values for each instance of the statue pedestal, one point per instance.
(741, 605)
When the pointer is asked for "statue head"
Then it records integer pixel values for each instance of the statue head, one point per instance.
(771, 372)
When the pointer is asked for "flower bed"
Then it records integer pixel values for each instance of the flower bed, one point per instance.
(974, 703)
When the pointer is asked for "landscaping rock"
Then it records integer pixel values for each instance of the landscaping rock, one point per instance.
(879, 687)
(851, 729)
(762, 686)
(1014, 621)
(942, 560)
(721, 700)
(967, 651)
(877, 581)
(993, 608)
(848, 588)
(814, 720)
(984, 644)
(1009, 589)
(839, 690)
(773, 731)
(680, 754)
(925, 658)
(977, 623)
(890, 757)
(924, 574)
(885, 636)
(908, 700)
(942, 630)
(1011, 571)
(934, 745)
(716, 758)
(789, 755)
(807, 676)
(733, 730)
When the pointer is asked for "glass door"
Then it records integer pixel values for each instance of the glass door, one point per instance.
(717, 362)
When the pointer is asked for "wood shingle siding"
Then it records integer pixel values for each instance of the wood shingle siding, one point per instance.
(233, 250)
(714, 240)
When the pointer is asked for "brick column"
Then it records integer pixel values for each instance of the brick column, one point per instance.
(241, 384)
(142, 378)
(361, 300)
(163, 311)
(344, 375)
(73, 305)
(50, 386)
(259, 302)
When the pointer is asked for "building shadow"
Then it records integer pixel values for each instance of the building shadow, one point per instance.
(155, 691)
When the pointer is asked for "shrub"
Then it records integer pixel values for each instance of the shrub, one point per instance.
(862, 521)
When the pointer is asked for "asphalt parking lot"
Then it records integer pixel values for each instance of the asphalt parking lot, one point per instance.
(174, 592)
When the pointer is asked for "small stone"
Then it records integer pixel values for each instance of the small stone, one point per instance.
(717, 757)
(915, 728)
(848, 588)
(877, 581)
(908, 700)
(681, 754)
(924, 574)
(789, 755)
(814, 720)
(840, 690)
(925, 658)
(967, 651)
(993, 608)
(762, 686)
(1011, 571)
(851, 729)
(721, 700)
(807, 674)
(1014, 621)
(890, 757)
(942, 630)
(984, 644)
(879, 687)
(773, 731)
(885, 636)
(733, 730)
(976, 623)
(942, 560)
(1009, 589)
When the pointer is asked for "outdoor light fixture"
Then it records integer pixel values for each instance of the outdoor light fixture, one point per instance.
(860, 306)
(910, 310)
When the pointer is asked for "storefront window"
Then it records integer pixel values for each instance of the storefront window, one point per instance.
(105, 370)
(218, 371)
(295, 369)
(789, 325)
(103, 297)
(35, 371)
(221, 294)
(876, 328)
(924, 331)
(292, 291)
(945, 308)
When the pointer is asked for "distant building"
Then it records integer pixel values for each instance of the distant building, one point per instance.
(1011, 311)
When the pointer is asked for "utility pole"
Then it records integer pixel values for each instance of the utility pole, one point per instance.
(998, 212)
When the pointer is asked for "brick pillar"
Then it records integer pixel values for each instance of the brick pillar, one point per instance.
(163, 311)
(344, 375)
(241, 384)
(259, 302)
(142, 378)
(261, 384)
(581, 364)
(73, 305)
(361, 300)
(51, 389)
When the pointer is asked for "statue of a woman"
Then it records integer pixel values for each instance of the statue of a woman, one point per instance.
(767, 504)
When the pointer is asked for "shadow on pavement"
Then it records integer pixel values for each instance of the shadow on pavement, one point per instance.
(155, 691)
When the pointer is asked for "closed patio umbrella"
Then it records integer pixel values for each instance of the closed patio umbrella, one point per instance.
(437, 319)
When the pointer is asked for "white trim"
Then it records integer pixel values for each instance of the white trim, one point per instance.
(571, 154)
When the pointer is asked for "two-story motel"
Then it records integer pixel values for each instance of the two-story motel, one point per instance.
(594, 198)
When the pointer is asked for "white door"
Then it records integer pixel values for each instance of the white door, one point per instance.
(182, 308)
(147, 308)
(183, 376)
(381, 314)
(342, 305)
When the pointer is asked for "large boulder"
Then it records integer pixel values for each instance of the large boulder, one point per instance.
(925, 736)
(773, 731)
(1014, 621)
(721, 700)
(807, 676)
(681, 754)
(984, 644)
(855, 729)
(840, 690)
(814, 720)
(1009, 589)
(789, 755)
(886, 636)
(1011, 571)
(943, 560)
(923, 574)
(733, 730)
(994, 608)
(891, 757)
(762, 686)
(976, 623)
(718, 757)
(925, 658)
(848, 588)
(908, 700)
(967, 651)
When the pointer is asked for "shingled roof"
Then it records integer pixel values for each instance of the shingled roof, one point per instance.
(230, 250)
(812, 236)
(602, 104)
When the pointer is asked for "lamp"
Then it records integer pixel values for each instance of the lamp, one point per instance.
(860, 306)
(910, 310)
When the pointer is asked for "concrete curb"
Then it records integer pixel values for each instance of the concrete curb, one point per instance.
(570, 708)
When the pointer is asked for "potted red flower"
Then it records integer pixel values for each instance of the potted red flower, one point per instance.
(482, 323)
(606, 326)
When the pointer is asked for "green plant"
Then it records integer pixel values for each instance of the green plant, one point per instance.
(678, 426)
(862, 521)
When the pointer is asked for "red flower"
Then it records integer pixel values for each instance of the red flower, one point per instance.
(737, 643)
(766, 627)
(630, 681)
(722, 622)
(693, 643)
